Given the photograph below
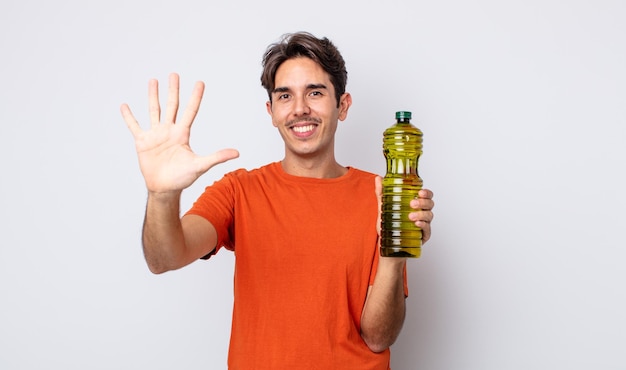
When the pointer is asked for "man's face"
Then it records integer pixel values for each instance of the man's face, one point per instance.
(304, 109)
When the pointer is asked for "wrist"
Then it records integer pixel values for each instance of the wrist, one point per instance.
(168, 199)
(164, 195)
(392, 263)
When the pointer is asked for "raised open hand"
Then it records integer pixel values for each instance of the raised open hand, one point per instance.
(165, 158)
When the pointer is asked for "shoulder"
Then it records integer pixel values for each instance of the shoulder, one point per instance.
(243, 178)
(247, 174)
(356, 182)
(361, 174)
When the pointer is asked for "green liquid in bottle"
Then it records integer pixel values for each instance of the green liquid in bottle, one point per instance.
(402, 147)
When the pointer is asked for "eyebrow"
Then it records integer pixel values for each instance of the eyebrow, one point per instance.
(315, 86)
(309, 87)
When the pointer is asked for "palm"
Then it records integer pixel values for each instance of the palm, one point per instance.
(167, 162)
(165, 159)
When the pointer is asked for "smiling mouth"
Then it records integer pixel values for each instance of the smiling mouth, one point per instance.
(303, 129)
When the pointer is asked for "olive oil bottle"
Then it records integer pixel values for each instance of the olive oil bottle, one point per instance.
(402, 147)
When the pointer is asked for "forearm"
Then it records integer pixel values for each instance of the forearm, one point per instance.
(384, 311)
(163, 238)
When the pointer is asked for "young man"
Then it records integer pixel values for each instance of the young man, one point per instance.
(311, 291)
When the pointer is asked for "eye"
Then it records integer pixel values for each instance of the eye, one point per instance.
(283, 96)
(316, 93)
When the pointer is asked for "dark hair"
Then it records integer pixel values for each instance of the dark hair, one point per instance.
(304, 44)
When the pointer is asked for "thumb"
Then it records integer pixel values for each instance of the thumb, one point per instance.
(224, 155)
(221, 156)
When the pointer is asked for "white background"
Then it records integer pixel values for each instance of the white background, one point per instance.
(523, 108)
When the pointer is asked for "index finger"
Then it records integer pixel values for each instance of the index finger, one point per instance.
(194, 104)
(425, 193)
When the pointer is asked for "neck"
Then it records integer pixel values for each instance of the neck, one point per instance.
(319, 168)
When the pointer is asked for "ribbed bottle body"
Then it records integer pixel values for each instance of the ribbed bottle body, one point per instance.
(402, 147)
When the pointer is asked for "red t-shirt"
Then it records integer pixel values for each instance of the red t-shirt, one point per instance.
(305, 254)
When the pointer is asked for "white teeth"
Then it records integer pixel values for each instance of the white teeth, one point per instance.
(301, 129)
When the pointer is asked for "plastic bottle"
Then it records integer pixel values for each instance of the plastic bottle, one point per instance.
(402, 147)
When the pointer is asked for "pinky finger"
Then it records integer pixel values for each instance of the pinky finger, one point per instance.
(425, 226)
(130, 120)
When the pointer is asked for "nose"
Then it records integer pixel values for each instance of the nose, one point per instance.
(301, 106)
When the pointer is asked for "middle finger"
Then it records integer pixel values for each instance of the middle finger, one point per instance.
(172, 99)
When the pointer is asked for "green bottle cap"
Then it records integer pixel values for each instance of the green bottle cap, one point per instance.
(403, 115)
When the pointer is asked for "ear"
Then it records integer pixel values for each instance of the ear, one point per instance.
(344, 104)
(268, 107)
